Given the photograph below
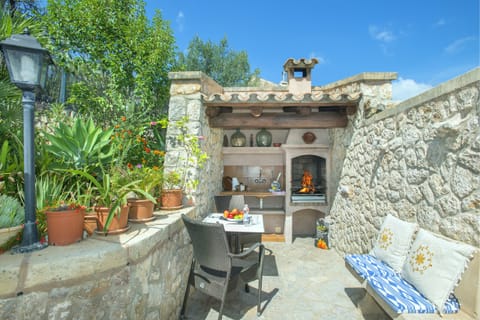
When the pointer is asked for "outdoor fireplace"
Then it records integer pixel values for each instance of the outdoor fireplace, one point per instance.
(308, 179)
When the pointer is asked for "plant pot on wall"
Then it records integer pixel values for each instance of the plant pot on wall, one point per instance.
(171, 199)
(90, 222)
(140, 210)
(64, 227)
(119, 222)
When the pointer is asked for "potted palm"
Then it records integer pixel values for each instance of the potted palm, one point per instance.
(110, 191)
(149, 180)
(63, 215)
(188, 156)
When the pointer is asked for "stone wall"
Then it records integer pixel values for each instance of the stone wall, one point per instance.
(186, 94)
(418, 160)
(141, 274)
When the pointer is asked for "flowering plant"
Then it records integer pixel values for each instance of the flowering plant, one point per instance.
(147, 179)
(141, 143)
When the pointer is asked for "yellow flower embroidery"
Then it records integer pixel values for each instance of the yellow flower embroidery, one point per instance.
(386, 238)
(421, 260)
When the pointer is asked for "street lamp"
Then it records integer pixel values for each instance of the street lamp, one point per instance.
(27, 64)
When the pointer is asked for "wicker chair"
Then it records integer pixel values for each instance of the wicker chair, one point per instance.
(215, 270)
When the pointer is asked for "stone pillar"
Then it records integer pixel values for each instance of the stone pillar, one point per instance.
(186, 99)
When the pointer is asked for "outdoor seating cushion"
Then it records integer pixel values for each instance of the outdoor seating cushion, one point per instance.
(434, 265)
(402, 297)
(366, 265)
(394, 241)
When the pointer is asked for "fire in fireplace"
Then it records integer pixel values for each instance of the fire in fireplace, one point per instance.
(308, 179)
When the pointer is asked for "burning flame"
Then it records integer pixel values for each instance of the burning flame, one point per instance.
(307, 185)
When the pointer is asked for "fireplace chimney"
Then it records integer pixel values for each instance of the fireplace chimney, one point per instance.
(299, 75)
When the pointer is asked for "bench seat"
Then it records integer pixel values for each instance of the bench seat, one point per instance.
(402, 297)
(384, 283)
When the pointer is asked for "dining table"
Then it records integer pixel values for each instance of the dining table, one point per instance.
(235, 229)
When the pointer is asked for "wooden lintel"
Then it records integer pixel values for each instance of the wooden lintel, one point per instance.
(304, 110)
(279, 120)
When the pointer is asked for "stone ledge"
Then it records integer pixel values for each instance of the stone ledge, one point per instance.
(60, 266)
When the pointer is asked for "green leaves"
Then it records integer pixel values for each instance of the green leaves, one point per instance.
(224, 65)
(80, 146)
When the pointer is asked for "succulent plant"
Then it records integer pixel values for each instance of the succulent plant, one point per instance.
(11, 212)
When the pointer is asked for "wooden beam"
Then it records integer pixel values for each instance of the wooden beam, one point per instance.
(280, 120)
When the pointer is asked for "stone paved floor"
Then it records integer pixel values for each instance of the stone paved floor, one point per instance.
(300, 282)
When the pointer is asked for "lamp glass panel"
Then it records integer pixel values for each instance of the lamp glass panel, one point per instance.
(25, 66)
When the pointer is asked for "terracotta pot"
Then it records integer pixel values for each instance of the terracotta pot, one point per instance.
(64, 227)
(90, 223)
(119, 222)
(140, 209)
(171, 199)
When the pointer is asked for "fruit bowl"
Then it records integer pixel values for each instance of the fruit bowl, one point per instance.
(234, 220)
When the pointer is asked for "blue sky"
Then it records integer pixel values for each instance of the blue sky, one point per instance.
(426, 42)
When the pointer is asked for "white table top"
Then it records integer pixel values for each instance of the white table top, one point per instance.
(256, 225)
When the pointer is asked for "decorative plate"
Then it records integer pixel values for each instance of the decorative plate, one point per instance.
(309, 137)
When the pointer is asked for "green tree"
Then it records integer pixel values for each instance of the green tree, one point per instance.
(120, 59)
(226, 66)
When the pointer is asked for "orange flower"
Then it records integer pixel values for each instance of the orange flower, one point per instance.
(124, 118)
(147, 150)
(129, 165)
(117, 126)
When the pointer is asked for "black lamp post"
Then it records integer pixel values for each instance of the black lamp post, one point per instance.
(27, 64)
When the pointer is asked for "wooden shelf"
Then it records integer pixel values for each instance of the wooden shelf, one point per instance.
(253, 150)
(252, 194)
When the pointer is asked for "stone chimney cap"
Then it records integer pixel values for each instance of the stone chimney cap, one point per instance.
(301, 63)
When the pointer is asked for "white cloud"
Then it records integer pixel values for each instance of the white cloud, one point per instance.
(180, 20)
(458, 45)
(406, 88)
(381, 34)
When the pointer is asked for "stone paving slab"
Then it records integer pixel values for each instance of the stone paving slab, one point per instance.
(300, 282)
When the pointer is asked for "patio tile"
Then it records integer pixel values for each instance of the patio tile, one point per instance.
(300, 282)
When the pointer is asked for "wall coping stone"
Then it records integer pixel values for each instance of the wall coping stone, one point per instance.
(459, 82)
(363, 77)
(60, 266)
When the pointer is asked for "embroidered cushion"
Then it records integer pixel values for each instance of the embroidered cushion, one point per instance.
(434, 265)
(393, 241)
(366, 265)
(402, 297)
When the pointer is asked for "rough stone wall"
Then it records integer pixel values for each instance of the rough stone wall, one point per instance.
(150, 285)
(186, 93)
(419, 161)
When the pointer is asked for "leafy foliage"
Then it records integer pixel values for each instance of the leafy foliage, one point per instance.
(120, 59)
(227, 67)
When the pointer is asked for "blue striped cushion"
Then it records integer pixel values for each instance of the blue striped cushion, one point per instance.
(402, 297)
(366, 265)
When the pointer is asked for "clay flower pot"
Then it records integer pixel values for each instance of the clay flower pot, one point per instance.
(171, 199)
(140, 210)
(64, 227)
(119, 222)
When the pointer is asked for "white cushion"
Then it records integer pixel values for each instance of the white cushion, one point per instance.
(394, 241)
(435, 265)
